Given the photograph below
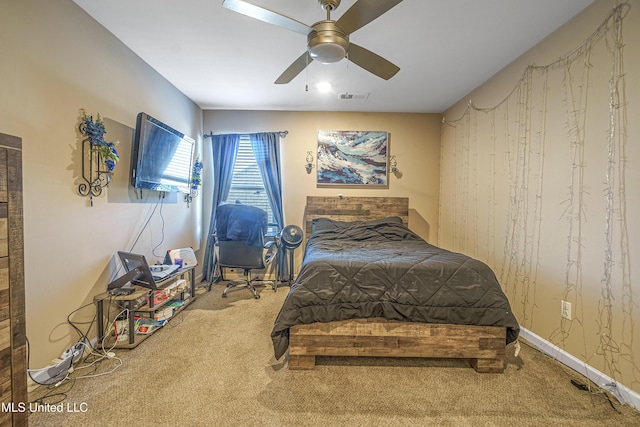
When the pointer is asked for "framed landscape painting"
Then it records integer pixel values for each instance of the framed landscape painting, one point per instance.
(352, 158)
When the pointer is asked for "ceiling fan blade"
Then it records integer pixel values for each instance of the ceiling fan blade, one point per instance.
(362, 12)
(371, 62)
(265, 15)
(294, 69)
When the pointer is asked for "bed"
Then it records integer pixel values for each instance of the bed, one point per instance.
(369, 286)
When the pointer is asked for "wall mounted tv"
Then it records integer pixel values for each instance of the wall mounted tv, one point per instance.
(161, 157)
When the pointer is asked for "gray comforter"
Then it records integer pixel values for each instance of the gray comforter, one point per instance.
(382, 269)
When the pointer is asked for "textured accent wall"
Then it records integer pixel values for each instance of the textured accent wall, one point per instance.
(539, 178)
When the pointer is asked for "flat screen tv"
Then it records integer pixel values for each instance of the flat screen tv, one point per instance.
(161, 158)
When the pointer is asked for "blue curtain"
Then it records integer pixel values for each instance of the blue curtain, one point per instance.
(225, 151)
(266, 149)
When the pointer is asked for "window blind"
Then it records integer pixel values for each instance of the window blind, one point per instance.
(247, 186)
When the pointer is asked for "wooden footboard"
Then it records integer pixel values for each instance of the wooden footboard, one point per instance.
(483, 345)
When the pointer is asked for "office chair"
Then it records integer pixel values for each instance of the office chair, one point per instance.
(240, 243)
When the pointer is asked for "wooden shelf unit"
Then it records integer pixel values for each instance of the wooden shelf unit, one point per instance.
(139, 302)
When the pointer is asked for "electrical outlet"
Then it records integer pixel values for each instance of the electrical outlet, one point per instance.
(566, 310)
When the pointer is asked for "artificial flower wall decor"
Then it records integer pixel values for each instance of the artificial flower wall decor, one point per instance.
(94, 131)
(196, 181)
(99, 156)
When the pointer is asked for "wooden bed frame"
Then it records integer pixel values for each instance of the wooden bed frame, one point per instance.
(484, 346)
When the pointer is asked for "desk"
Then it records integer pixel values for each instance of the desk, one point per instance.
(132, 303)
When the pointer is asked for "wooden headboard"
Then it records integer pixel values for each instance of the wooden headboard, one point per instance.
(354, 209)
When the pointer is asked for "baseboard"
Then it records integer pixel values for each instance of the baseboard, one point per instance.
(624, 394)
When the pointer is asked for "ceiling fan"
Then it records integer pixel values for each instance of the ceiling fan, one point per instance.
(328, 40)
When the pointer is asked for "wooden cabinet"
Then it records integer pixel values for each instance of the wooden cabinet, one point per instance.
(13, 341)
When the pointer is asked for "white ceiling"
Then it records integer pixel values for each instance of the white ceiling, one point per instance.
(224, 60)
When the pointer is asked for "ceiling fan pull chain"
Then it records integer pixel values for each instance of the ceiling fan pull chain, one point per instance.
(347, 74)
(306, 72)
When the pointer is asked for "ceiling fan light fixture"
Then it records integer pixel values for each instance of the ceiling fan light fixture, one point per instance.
(326, 43)
(327, 53)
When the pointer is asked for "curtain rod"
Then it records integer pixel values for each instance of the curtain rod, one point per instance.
(282, 133)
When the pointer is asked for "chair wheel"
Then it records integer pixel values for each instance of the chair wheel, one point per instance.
(256, 296)
(224, 295)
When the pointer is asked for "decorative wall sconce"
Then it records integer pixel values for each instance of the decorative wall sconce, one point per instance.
(309, 165)
(393, 167)
(99, 157)
(196, 181)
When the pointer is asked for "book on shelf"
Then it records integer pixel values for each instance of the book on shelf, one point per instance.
(146, 325)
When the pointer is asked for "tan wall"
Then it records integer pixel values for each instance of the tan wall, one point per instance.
(55, 60)
(524, 186)
(413, 138)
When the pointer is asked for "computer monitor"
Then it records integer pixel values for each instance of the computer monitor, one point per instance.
(138, 272)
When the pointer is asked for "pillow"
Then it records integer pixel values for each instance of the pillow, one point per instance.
(322, 224)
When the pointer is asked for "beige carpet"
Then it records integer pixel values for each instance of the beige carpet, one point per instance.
(213, 365)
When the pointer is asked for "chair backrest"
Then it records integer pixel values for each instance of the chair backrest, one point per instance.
(240, 231)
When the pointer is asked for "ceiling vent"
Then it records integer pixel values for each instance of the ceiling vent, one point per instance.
(350, 96)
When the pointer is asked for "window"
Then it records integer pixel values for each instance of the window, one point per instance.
(247, 186)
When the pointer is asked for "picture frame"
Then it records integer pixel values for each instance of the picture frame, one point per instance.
(352, 158)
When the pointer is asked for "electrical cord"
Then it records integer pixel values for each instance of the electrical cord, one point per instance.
(161, 201)
(56, 381)
(105, 353)
(83, 335)
(173, 321)
(119, 363)
(106, 333)
(53, 386)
